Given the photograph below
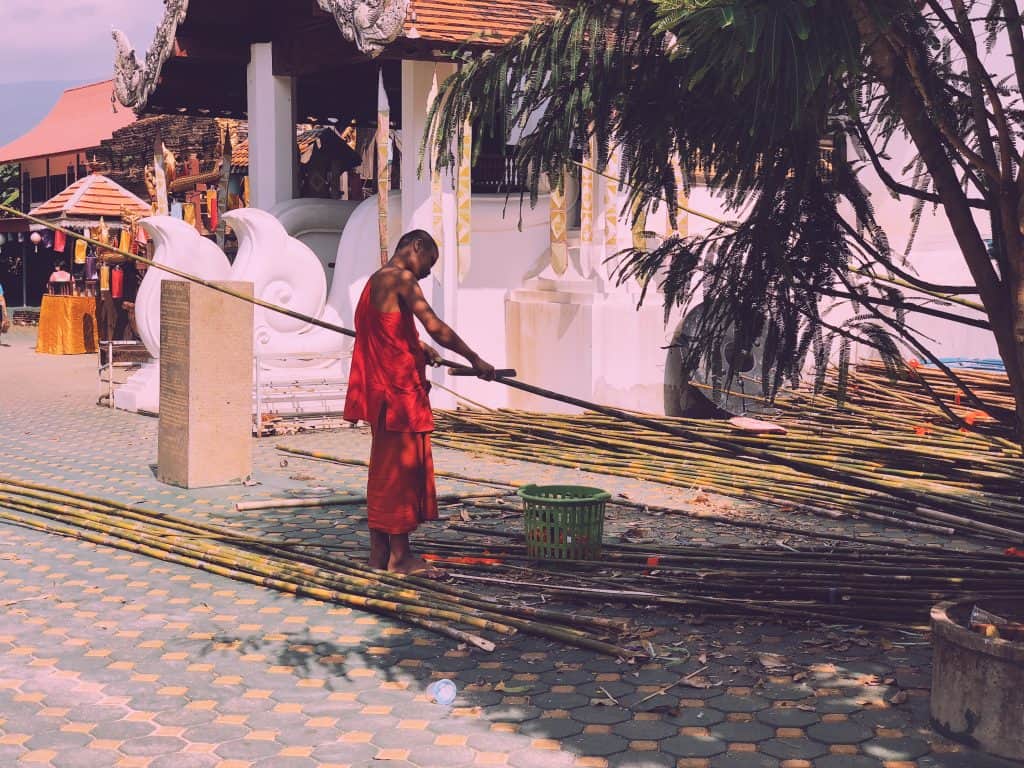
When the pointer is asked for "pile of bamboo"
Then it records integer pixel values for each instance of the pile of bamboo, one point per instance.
(864, 462)
(908, 401)
(870, 587)
(438, 607)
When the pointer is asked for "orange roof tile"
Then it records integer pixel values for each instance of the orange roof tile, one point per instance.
(81, 118)
(91, 197)
(482, 21)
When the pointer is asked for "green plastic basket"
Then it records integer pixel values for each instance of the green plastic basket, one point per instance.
(563, 522)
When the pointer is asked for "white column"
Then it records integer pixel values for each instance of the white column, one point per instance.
(273, 161)
(417, 77)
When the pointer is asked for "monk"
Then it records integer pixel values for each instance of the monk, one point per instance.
(388, 388)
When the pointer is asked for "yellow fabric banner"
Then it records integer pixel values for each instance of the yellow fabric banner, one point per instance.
(588, 182)
(436, 192)
(611, 205)
(559, 236)
(464, 201)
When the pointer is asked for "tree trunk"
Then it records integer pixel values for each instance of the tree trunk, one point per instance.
(1002, 295)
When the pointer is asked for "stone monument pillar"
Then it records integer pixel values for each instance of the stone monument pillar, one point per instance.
(205, 431)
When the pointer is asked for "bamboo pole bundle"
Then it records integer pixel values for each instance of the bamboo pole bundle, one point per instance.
(257, 560)
(958, 484)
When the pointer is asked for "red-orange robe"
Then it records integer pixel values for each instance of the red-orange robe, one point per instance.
(387, 387)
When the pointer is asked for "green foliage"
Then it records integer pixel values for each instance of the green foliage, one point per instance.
(745, 92)
(10, 176)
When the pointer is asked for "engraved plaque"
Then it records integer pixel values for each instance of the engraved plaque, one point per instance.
(205, 431)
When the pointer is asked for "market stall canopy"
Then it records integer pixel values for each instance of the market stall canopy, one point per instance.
(197, 61)
(90, 198)
(80, 120)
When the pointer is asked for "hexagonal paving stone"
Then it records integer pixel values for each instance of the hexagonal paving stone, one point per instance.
(185, 760)
(248, 749)
(743, 732)
(85, 758)
(345, 752)
(121, 730)
(58, 740)
(743, 760)
(435, 757)
(787, 717)
(601, 715)
(907, 748)
(645, 730)
(152, 746)
(301, 762)
(788, 692)
(540, 758)
(630, 759)
(729, 702)
(596, 744)
(697, 717)
(602, 690)
(847, 761)
(551, 727)
(843, 732)
(511, 713)
(836, 705)
(560, 701)
(214, 733)
(793, 749)
(96, 713)
(694, 746)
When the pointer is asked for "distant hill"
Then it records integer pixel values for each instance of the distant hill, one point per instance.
(24, 104)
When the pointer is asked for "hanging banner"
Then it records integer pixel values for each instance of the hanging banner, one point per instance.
(680, 227)
(383, 166)
(463, 200)
(611, 205)
(588, 182)
(559, 235)
(436, 191)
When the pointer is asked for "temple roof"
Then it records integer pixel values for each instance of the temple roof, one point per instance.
(91, 197)
(80, 120)
(197, 61)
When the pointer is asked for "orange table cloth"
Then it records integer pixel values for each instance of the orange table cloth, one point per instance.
(67, 325)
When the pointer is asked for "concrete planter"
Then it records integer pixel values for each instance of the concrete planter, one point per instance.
(977, 683)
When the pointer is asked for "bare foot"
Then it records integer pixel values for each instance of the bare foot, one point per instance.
(380, 550)
(415, 566)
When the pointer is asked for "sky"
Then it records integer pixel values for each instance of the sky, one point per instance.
(69, 40)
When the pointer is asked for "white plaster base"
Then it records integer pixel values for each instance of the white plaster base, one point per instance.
(141, 392)
(572, 339)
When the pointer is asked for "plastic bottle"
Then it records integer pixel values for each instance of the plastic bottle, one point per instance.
(443, 691)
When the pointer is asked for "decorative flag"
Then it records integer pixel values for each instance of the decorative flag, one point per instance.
(680, 226)
(559, 236)
(611, 205)
(587, 182)
(159, 176)
(436, 191)
(463, 200)
(383, 165)
(639, 226)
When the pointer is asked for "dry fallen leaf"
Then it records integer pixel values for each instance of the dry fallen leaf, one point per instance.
(772, 661)
(900, 697)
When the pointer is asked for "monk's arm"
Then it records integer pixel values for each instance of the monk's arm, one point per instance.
(439, 330)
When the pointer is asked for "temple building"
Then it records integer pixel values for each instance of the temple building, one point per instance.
(527, 287)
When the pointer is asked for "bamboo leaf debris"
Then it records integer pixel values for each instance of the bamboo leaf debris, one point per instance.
(838, 584)
(440, 608)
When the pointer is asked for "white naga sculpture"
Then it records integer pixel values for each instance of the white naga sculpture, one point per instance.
(177, 245)
(289, 353)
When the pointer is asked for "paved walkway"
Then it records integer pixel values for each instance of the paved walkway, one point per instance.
(114, 659)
